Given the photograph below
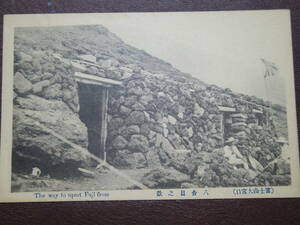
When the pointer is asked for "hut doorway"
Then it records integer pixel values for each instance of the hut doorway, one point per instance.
(93, 100)
(90, 113)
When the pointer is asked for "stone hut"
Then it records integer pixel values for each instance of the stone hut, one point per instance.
(129, 115)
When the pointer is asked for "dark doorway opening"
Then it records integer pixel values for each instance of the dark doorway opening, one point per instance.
(90, 113)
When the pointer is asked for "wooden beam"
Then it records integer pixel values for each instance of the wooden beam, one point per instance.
(88, 63)
(226, 109)
(103, 137)
(96, 80)
(85, 81)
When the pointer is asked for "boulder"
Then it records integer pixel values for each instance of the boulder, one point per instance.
(130, 100)
(119, 142)
(133, 129)
(92, 70)
(21, 84)
(88, 58)
(138, 143)
(146, 99)
(238, 126)
(138, 107)
(38, 87)
(198, 111)
(153, 160)
(135, 118)
(53, 91)
(144, 129)
(77, 67)
(135, 91)
(124, 159)
(25, 57)
(172, 120)
(32, 145)
(239, 115)
(164, 178)
(124, 110)
(140, 160)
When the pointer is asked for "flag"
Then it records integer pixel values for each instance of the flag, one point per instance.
(271, 68)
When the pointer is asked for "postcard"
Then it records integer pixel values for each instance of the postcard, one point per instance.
(137, 106)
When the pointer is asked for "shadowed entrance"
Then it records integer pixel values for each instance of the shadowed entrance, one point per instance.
(90, 100)
(93, 101)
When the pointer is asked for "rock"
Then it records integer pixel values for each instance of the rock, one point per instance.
(124, 110)
(124, 159)
(241, 135)
(119, 142)
(198, 146)
(146, 99)
(198, 111)
(180, 115)
(283, 167)
(158, 117)
(25, 57)
(138, 107)
(153, 160)
(92, 70)
(138, 143)
(172, 120)
(38, 87)
(133, 129)
(52, 92)
(129, 101)
(238, 126)
(140, 160)
(187, 185)
(21, 84)
(36, 65)
(135, 91)
(175, 140)
(126, 75)
(188, 132)
(48, 67)
(31, 140)
(47, 76)
(67, 94)
(157, 127)
(239, 115)
(147, 116)
(111, 62)
(135, 118)
(163, 144)
(88, 58)
(164, 178)
(238, 120)
(201, 170)
(115, 123)
(77, 67)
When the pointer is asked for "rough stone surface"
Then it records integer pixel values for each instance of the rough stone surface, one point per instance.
(21, 84)
(31, 141)
(164, 178)
(138, 143)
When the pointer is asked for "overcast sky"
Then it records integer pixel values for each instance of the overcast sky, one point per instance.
(218, 48)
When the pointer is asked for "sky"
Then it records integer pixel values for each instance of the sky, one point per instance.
(218, 48)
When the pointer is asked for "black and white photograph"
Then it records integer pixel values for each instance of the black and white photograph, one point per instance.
(152, 101)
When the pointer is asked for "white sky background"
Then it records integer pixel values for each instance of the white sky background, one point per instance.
(222, 49)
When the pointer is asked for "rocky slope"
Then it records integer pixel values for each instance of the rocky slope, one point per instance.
(160, 118)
